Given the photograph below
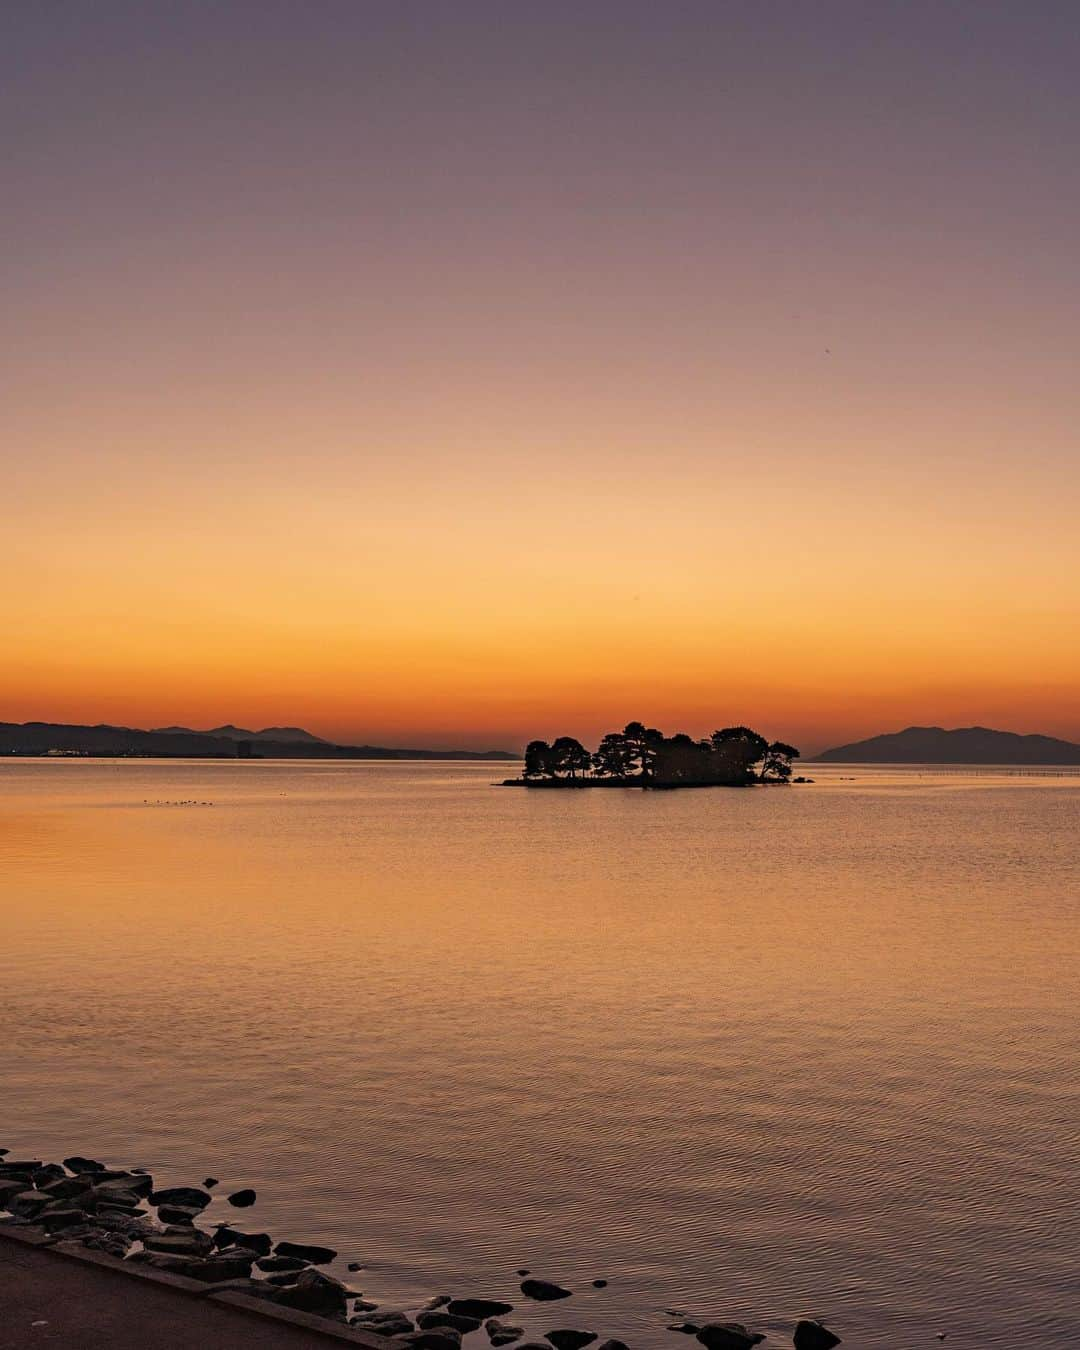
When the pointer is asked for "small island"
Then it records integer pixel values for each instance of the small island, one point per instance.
(643, 757)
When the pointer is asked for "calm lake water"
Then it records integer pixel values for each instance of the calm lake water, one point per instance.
(746, 1055)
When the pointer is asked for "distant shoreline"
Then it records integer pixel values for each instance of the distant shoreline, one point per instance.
(61, 740)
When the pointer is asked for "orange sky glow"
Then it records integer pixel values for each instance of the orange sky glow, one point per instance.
(423, 383)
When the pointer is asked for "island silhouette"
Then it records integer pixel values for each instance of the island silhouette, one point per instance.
(641, 756)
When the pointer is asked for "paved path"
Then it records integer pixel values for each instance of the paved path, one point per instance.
(48, 1299)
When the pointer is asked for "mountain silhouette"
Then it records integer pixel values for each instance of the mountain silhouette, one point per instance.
(962, 745)
(41, 738)
(231, 733)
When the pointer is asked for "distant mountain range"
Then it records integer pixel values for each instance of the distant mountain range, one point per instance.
(231, 733)
(964, 745)
(228, 742)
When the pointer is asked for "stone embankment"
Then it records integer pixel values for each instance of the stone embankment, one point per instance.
(82, 1204)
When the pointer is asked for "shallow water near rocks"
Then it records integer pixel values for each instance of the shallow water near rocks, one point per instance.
(745, 1055)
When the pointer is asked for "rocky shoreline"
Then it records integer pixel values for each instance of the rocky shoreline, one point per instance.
(82, 1203)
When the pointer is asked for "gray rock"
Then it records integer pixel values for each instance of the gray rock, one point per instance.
(188, 1196)
(612, 1345)
(274, 1264)
(259, 1243)
(50, 1172)
(385, 1323)
(210, 1182)
(132, 1225)
(114, 1244)
(133, 1183)
(234, 1264)
(77, 1164)
(9, 1189)
(811, 1335)
(243, 1199)
(104, 1196)
(243, 1285)
(362, 1305)
(728, 1336)
(28, 1204)
(62, 1216)
(314, 1292)
(318, 1256)
(599, 1284)
(480, 1308)
(569, 1339)
(543, 1291)
(179, 1242)
(502, 1333)
(178, 1214)
(438, 1338)
(175, 1265)
(440, 1317)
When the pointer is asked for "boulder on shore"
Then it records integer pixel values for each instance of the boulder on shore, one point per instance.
(306, 1251)
(132, 1183)
(544, 1291)
(179, 1242)
(50, 1172)
(28, 1204)
(178, 1214)
(259, 1243)
(478, 1307)
(728, 1336)
(314, 1292)
(811, 1335)
(276, 1264)
(11, 1187)
(63, 1216)
(437, 1338)
(384, 1324)
(569, 1339)
(188, 1196)
(234, 1264)
(502, 1333)
(439, 1317)
(243, 1199)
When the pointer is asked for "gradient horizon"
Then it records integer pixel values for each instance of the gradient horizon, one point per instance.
(449, 376)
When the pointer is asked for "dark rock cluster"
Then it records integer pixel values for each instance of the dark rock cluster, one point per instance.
(84, 1203)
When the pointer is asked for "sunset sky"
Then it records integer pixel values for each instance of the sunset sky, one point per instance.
(447, 374)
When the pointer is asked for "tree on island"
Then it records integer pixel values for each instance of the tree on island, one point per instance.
(777, 766)
(643, 743)
(643, 756)
(565, 758)
(570, 758)
(614, 757)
